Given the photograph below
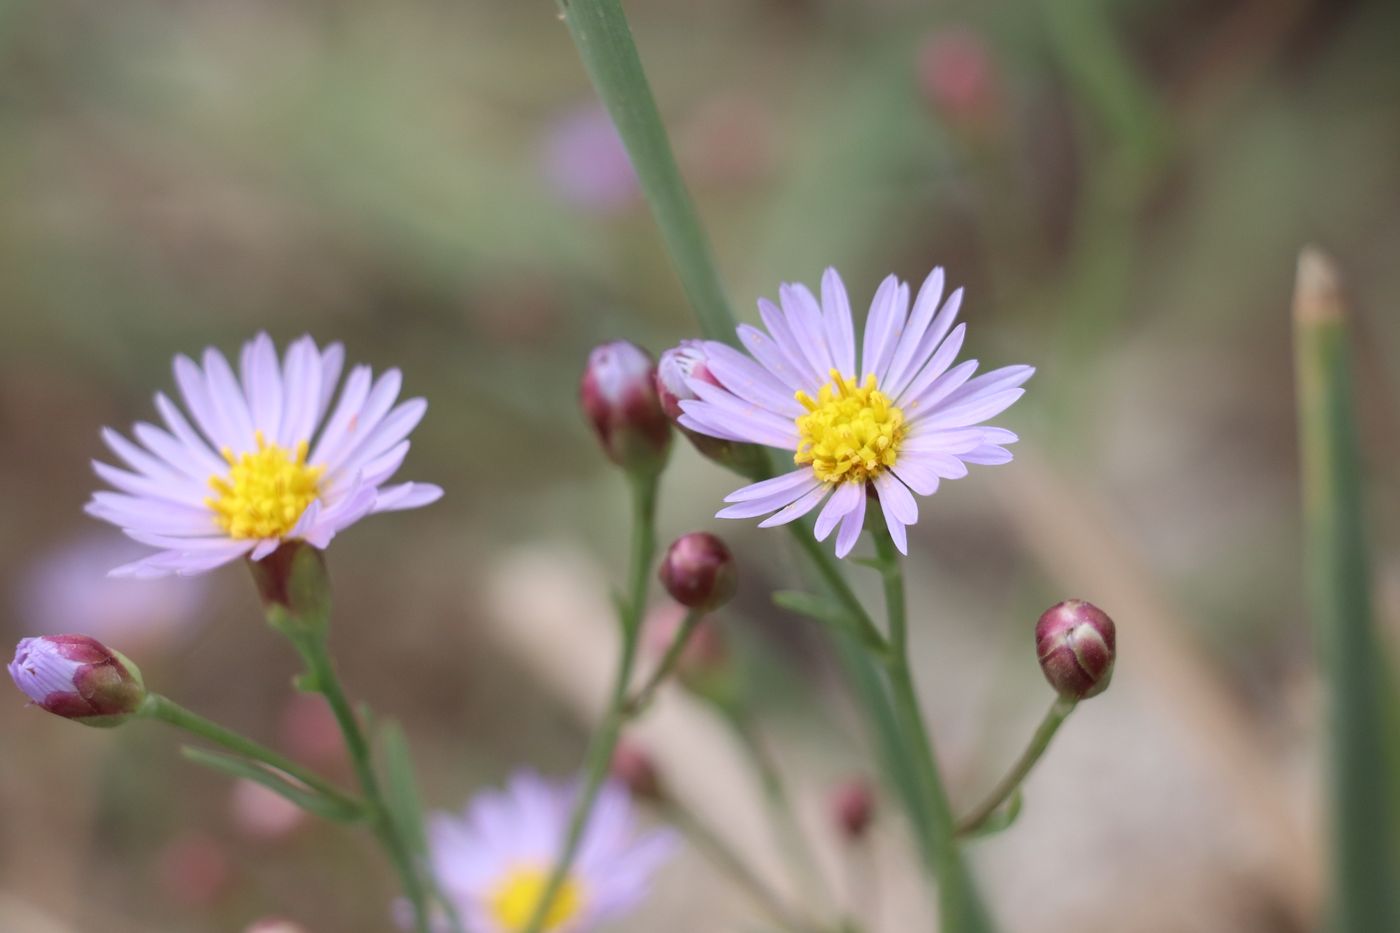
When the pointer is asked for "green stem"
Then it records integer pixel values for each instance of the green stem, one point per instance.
(323, 679)
(604, 742)
(643, 697)
(960, 906)
(831, 575)
(1364, 857)
(168, 711)
(733, 865)
(780, 807)
(604, 40)
(1059, 711)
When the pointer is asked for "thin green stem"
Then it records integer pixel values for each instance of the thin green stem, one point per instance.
(733, 865)
(780, 807)
(168, 711)
(960, 906)
(604, 742)
(604, 40)
(643, 697)
(1054, 718)
(315, 653)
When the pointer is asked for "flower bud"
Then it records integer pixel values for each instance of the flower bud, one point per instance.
(633, 766)
(618, 394)
(698, 571)
(853, 807)
(78, 678)
(1075, 641)
(689, 361)
(958, 77)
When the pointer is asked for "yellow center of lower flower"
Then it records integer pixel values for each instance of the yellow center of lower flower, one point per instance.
(513, 901)
(265, 492)
(851, 433)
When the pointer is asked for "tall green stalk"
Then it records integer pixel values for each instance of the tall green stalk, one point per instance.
(599, 29)
(1364, 858)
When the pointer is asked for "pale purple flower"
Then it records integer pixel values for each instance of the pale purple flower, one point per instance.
(896, 421)
(66, 588)
(265, 459)
(587, 164)
(495, 860)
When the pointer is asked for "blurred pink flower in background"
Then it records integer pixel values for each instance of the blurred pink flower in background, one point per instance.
(308, 732)
(66, 589)
(263, 814)
(275, 925)
(959, 77)
(193, 869)
(586, 163)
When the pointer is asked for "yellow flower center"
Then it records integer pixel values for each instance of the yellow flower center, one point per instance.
(851, 433)
(265, 492)
(513, 901)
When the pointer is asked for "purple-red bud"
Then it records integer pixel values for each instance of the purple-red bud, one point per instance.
(634, 768)
(78, 678)
(1076, 644)
(698, 571)
(618, 394)
(958, 76)
(853, 807)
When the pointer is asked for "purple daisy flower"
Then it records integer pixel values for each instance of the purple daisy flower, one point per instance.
(262, 462)
(495, 860)
(896, 421)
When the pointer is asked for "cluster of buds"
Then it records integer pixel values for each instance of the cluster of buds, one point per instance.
(1076, 643)
(618, 394)
(78, 678)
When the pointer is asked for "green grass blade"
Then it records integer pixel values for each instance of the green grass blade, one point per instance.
(1363, 856)
(599, 29)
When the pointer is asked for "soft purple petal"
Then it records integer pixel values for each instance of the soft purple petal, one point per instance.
(851, 526)
(904, 362)
(796, 510)
(262, 384)
(798, 478)
(848, 496)
(837, 323)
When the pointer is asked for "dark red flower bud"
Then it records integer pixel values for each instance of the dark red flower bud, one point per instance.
(634, 767)
(618, 394)
(78, 678)
(1076, 643)
(853, 807)
(698, 571)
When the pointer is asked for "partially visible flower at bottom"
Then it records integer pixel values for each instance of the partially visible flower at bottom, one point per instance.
(495, 860)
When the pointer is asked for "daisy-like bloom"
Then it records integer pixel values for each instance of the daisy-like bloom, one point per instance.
(896, 420)
(495, 860)
(261, 462)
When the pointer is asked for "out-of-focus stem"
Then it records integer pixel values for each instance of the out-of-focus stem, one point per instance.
(1054, 718)
(1363, 860)
(604, 40)
(733, 865)
(642, 698)
(604, 742)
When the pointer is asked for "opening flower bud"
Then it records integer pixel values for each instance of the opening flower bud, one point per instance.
(853, 807)
(679, 366)
(698, 571)
(78, 678)
(633, 766)
(1076, 643)
(618, 394)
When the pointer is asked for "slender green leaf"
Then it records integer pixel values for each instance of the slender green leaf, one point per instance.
(401, 787)
(1337, 561)
(309, 800)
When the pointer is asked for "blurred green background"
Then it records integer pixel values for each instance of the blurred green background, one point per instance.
(1121, 185)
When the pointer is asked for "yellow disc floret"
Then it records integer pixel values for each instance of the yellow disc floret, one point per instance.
(265, 492)
(512, 902)
(851, 433)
